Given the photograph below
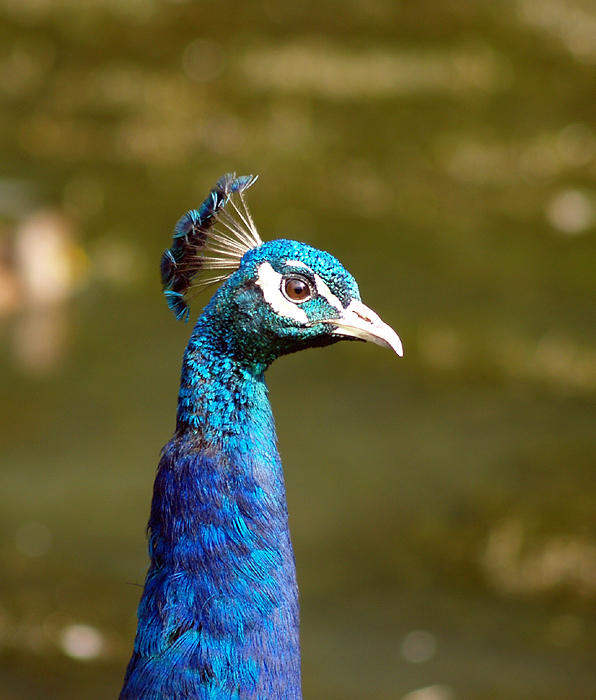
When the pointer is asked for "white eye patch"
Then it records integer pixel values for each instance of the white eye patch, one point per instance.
(270, 283)
(322, 288)
(297, 263)
(327, 294)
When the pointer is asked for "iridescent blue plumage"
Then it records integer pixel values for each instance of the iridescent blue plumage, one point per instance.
(218, 618)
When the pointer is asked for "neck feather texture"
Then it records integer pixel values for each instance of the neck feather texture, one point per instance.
(218, 618)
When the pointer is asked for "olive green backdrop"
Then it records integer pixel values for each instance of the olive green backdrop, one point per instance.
(442, 505)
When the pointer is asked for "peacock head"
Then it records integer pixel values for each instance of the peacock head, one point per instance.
(277, 297)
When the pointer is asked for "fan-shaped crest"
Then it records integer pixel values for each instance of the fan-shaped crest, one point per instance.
(211, 238)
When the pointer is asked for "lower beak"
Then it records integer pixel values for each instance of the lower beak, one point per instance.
(358, 321)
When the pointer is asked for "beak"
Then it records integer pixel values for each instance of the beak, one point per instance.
(358, 321)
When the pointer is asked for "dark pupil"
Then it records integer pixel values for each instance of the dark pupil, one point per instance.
(297, 289)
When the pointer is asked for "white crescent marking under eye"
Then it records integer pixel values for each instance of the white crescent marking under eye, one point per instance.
(270, 283)
(327, 294)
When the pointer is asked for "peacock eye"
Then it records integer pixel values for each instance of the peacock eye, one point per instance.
(296, 289)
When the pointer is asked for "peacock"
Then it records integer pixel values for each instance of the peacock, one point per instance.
(218, 617)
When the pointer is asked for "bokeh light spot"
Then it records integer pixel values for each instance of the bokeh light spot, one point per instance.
(82, 642)
(419, 646)
(570, 211)
(431, 692)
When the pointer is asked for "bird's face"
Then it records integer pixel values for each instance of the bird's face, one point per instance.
(288, 296)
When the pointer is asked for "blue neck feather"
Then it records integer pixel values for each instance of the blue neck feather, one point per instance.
(218, 618)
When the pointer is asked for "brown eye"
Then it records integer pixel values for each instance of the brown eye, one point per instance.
(296, 289)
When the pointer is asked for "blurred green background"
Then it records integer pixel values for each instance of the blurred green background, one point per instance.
(442, 505)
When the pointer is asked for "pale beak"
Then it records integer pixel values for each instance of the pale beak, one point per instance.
(358, 321)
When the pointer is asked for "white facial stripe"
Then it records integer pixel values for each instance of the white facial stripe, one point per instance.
(327, 294)
(297, 263)
(270, 282)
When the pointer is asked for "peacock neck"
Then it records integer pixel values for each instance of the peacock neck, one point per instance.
(221, 589)
(222, 396)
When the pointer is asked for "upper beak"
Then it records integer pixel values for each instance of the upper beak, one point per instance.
(358, 321)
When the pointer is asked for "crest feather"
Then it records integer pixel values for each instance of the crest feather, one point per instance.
(207, 239)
